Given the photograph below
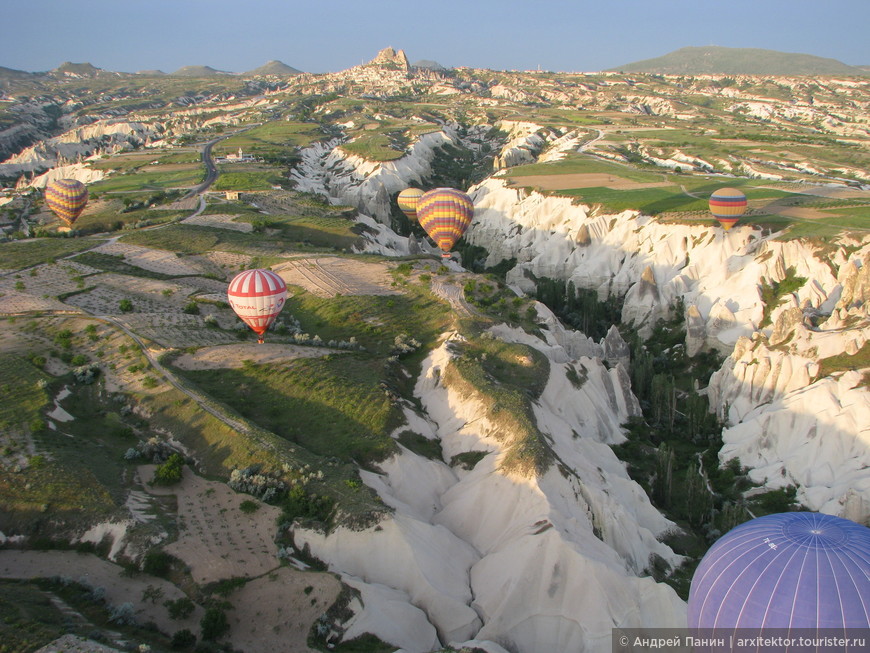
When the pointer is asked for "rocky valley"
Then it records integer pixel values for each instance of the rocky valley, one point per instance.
(519, 447)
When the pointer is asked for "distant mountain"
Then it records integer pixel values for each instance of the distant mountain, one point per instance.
(427, 63)
(69, 69)
(273, 68)
(198, 71)
(151, 73)
(11, 73)
(717, 60)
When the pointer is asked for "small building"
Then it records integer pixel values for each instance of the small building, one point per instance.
(232, 195)
(241, 157)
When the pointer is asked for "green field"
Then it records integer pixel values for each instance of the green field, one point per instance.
(246, 177)
(583, 164)
(16, 255)
(152, 178)
(331, 406)
(23, 398)
(316, 231)
(311, 234)
(270, 139)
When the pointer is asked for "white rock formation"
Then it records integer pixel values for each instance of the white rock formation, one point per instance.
(546, 563)
(80, 142)
(78, 171)
(763, 390)
(367, 185)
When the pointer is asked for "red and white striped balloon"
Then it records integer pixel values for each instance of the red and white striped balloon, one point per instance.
(257, 297)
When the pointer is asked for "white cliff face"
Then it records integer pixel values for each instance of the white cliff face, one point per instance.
(106, 135)
(788, 423)
(78, 171)
(366, 185)
(547, 563)
(653, 263)
(785, 422)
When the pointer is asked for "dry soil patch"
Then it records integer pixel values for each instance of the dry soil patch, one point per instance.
(333, 275)
(221, 221)
(154, 260)
(274, 613)
(234, 356)
(96, 572)
(583, 180)
(217, 540)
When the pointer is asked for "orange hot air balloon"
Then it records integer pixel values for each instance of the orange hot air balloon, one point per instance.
(66, 198)
(408, 200)
(257, 297)
(445, 214)
(727, 205)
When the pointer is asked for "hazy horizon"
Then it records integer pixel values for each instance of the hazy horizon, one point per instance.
(558, 35)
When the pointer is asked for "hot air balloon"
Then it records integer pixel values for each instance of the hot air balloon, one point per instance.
(445, 214)
(727, 205)
(67, 198)
(408, 200)
(257, 296)
(789, 570)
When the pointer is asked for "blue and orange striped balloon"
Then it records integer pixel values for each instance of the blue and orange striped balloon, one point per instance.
(445, 214)
(727, 205)
(67, 198)
(408, 200)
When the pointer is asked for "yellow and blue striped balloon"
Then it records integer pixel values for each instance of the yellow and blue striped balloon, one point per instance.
(727, 205)
(445, 214)
(408, 200)
(67, 198)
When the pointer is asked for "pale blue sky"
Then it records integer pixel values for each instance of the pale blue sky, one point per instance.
(324, 36)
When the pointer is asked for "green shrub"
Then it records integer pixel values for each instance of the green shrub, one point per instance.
(247, 506)
(169, 473)
(157, 563)
(180, 608)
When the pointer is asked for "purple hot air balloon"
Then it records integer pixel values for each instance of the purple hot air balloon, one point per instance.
(794, 570)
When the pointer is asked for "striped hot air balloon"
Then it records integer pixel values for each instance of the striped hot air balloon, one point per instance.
(727, 205)
(793, 570)
(66, 198)
(408, 200)
(257, 297)
(445, 214)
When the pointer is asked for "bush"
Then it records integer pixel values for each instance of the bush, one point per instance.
(179, 608)
(169, 473)
(157, 563)
(182, 639)
(214, 624)
(122, 614)
(247, 506)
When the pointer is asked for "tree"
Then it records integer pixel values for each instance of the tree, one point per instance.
(169, 473)
(214, 624)
(180, 608)
(157, 562)
(152, 593)
(182, 639)
(125, 305)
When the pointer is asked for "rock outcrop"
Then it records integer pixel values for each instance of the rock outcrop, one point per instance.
(392, 58)
(552, 562)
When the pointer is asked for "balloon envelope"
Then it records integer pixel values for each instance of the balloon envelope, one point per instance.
(408, 200)
(257, 297)
(787, 570)
(67, 198)
(445, 214)
(727, 205)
